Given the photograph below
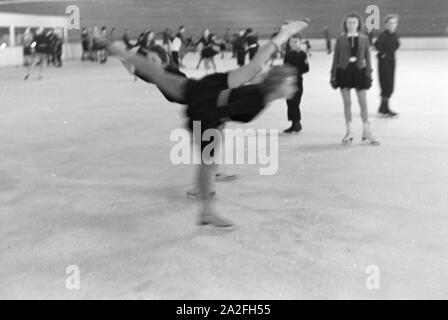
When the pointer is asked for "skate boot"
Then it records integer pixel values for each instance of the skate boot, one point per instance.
(212, 219)
(348, 139)
(195, 194)
(295, 128)
(368, 137)
(222, 177)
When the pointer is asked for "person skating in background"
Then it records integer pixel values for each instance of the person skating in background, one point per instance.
(28, 39)
(127, 40)
(308, 47)
(239, 47)
(41, 45)
(178, 47)
(203, 44)
(252, 43)
(57, 53)
(167, 39)
(297, 58)
(85, 44)
(327, 38)
(351, 69)
(102, 51)
(274, 56)
(183, 47)
(387, 44)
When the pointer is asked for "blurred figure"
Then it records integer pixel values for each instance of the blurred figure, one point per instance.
(52, 40)
(102, 51)
(178, 46)
(308, 47)
(203, 43)
(85, 43)
(240, 48)
(112, 34)
(94, 47)
(28, 38)
(387, 44)
(167, 39)
(274, 56)
(327, 38)
(59, 41)
(252, 43)
(126, 40)
(41, 46)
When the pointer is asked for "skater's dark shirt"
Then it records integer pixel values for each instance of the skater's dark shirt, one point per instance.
(42, 44)
(299, 60)
(251, 40)
(244, 103)
(386, 44)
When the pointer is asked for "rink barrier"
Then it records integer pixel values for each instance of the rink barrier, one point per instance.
(13, 56)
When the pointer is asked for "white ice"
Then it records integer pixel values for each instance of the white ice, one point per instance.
(85, 180)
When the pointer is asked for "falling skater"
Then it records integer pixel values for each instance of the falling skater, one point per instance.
(221, 97)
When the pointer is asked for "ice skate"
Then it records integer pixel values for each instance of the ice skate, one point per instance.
(369, 138)
(348, 138)
(195, 194)
(213, 220)
(295, 128)
(222, 177)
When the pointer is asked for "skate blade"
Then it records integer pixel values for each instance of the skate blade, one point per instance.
(225, 177)
(208, 227)
(370, 143)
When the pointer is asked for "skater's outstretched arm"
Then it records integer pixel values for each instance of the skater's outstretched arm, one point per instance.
(244, 74)
(172, 84)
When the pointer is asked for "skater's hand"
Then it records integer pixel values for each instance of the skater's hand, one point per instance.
(368, 82)
(333, 83)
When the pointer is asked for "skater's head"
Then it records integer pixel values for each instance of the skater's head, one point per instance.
(182, 29)
(352, 23)
(295, 42)
(206, 33)
(391, 22)
(279, 83)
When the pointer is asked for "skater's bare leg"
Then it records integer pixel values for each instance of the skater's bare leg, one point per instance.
(246, 73)
(170, 83)
(346, 98)
(207, 215)
(362, 99)
(367, 134)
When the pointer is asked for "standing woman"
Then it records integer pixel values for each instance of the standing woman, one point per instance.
(205, 43)
(351, 69)
(386, 44)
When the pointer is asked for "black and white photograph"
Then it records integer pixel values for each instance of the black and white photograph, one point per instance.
(225, 150)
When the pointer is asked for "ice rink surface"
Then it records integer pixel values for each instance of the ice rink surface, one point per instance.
(86, 180)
